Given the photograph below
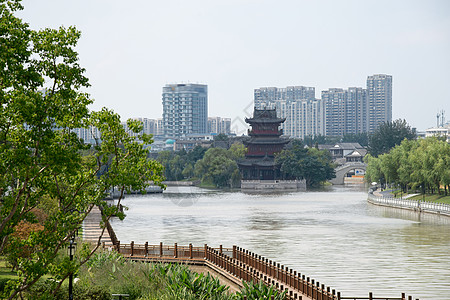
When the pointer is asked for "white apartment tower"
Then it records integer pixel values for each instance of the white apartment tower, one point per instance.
(379, 94)
(219, 125)
(303, 113)
(346, 111)
(185, 109)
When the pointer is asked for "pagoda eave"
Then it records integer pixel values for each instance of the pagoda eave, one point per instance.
(265, 121)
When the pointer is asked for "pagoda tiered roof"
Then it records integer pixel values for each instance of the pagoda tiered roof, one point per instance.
(267, 116)
(266, 141)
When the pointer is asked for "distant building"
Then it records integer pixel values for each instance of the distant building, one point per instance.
(90, 135)
(266, 96)
(442, 132)
(297, 104)
(346, 111)
(379, 97)
(259, 169)
(264, 142)
(193, 140)
(338, 112)
(185, 109)
(345, 152)
(219, 125)
(159, 127)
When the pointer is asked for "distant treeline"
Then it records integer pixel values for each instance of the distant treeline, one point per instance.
(414, 164)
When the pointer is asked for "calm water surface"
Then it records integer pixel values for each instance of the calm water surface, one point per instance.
(333, 236)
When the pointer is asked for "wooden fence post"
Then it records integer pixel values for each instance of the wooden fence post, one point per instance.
(175, 251)
(206, 249)
(220, 249)
(132, 248)
(234, 251)
(370, 296)
(190, 251)
(146, 249)
(118, 246)
(161, 249)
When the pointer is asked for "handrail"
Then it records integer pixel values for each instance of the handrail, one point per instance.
(243, 265)
(418, 205)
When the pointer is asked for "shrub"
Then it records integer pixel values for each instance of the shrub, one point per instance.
(254, 291)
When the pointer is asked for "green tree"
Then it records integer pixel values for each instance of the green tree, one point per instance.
(237, 151)
(221, 137)
(180, 165)
(417, 164)
(219, 167)
(41, 159)
(388, 135)
(373, 170)
(312, 141)
(313, 165)
(360, 138)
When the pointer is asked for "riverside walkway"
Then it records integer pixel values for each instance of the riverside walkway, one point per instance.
(92, 229)
(234, 265)
(383, 199)
(237, 265)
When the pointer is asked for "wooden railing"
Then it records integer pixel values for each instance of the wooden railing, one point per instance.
(241, 265)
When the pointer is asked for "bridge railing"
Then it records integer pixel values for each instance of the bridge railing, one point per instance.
(243, 265)
(419, 205)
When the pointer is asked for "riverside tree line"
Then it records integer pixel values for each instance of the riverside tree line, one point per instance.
(413, 165)
(217, 167)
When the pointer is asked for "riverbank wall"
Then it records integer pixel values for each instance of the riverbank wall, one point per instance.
(415, 205)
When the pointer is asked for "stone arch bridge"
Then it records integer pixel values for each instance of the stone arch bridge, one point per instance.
(342, 170)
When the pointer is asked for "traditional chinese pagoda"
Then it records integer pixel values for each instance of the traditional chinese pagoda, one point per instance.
(258, 169)
(264, 141)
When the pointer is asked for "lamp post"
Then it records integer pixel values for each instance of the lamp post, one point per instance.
(72, 246)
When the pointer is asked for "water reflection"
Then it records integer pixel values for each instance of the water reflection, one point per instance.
(331, 235)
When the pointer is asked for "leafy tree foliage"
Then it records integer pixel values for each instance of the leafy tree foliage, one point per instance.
(360, 138)
(221, 137)
(313, 165)
(312, 141)
(417, 164)
(180, 165)
(388, 135)
(41, 162)
(219, 166)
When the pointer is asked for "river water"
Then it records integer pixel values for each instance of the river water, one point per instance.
(333, 236)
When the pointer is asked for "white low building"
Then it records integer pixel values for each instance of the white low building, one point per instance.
(439, 132)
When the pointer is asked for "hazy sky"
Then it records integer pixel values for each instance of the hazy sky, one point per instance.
(131, 49)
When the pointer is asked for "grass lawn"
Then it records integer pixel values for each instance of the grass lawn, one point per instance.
(5, 271)
(433, 198)
(207, 185)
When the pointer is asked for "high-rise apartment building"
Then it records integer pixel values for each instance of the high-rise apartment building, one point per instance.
(379, 96)
(345, 111)
(269, 95)
(150, 126)
(219, 125)
(185, 109)
(90, 135)
(335, 108)
(303, 113)
(340, 111)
